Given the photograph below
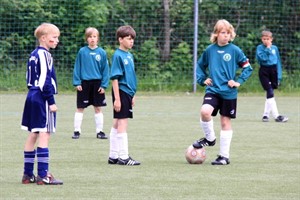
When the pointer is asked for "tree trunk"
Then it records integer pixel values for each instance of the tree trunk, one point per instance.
(167, 31)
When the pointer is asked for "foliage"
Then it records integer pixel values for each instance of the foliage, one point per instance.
(18, 20)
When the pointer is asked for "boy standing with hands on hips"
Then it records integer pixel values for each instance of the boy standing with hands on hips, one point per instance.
(216, 70)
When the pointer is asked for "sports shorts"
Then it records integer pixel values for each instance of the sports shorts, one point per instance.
(90, 95)
(268, 77)
(126, 106)
(226, 107)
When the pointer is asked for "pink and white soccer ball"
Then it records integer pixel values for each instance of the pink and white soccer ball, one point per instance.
(195, 156)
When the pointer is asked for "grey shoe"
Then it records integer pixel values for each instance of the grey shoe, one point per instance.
(281, 118)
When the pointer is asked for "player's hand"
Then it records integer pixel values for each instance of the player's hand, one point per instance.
(233, 84)
(78, 88)
(117, 105)
(101, 90)
(133, 101)
(208, 81)
(53, 108)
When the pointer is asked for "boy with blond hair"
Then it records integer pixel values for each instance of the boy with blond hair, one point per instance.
(216, 70)
(39, 115)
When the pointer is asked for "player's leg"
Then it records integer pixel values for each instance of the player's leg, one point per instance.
(29, 159)
(78, 117)
(208, 109)
(228, 112)
(113, 143)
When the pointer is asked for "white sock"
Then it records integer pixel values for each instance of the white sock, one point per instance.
(123, 145)
(78, 121)
(113, 144)
(208, 129)
(273, 107)
(99, 120)
(225, 141)
(267, 109)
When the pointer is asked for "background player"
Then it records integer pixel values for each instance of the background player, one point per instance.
(270, 74)
(91, 78)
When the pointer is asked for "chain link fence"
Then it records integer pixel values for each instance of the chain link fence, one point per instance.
(164, 45)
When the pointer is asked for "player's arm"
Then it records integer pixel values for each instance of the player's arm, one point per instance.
(117, 102)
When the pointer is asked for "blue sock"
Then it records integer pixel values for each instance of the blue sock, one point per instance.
(43, 161)
(29, 157)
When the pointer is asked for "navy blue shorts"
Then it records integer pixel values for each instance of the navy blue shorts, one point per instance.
(126, 106)
(268, 77)
(36, 115)
(226, 107)
(90, 95)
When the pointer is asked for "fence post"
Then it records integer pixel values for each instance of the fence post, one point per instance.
(195, 56)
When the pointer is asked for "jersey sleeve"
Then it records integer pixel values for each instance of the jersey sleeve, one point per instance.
(201, 73)
(77, 70)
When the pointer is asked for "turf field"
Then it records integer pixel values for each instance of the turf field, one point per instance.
(265, 157)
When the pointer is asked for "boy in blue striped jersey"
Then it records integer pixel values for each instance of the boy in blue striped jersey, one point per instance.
(124, 84)
(91, 78)
(39, 115)
(270, 74)
(216, 69)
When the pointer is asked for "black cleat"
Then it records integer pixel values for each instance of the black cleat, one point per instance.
(281, 118)
(128, 161)
(76, 135)
(112, 161)
(101, 135)
(221, 161)
(28, 179)
(48, 180)
(202, 142)
(265, 119)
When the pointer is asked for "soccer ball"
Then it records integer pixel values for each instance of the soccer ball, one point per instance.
(195, 156)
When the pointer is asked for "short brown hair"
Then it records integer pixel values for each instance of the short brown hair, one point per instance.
(124, 31)
(266, 33)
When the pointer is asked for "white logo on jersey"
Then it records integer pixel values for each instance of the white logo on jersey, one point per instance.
(227, 57)
(125, 61)
(273, 51)
(98, 57)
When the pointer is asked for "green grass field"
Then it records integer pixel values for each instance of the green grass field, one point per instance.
(265, 157)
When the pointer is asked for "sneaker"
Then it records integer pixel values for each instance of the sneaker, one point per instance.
(28, 179)
(101, 135)
(221, 161)
(76, 135)
(202, 142)
(48, 180)
(112, 161)
(128, 161)
(281, 118)
(265, 119)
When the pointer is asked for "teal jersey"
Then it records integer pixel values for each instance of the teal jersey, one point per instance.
(91, 64)
(221, 63)
(269, 57)
(122, 68)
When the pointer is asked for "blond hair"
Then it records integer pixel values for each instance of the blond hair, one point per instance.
(89, 31)
(222, 24)
(45, 29)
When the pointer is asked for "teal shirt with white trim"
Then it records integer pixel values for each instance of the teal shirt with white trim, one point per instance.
(269, 57)
(91, 64)
(122, 68)
(221, 63)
